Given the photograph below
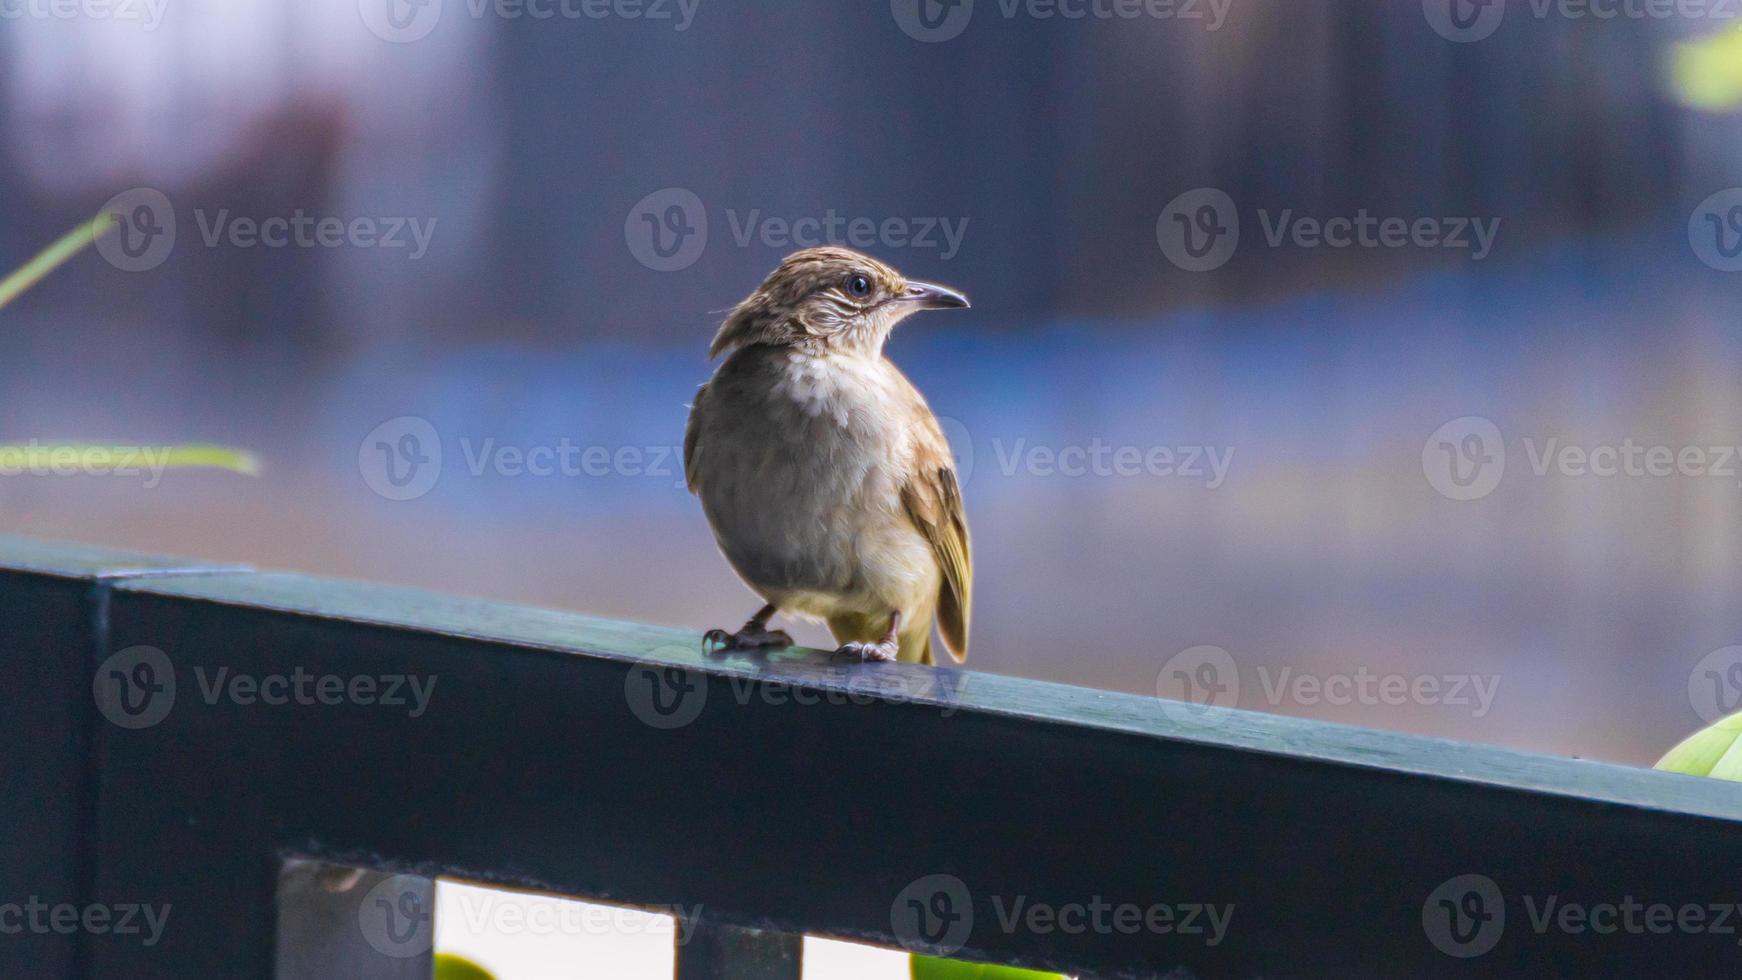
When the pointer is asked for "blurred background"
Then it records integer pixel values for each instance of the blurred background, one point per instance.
(1309, 339)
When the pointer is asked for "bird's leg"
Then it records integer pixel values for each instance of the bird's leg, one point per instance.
(754, 635)
(883, 651)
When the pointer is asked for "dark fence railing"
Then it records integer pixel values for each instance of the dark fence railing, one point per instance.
(202, 746)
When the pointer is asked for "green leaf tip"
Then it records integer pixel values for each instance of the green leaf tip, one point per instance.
(451, 967)
(214, 457)
(932, 968)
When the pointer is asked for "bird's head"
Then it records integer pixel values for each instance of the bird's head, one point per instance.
(830, 299)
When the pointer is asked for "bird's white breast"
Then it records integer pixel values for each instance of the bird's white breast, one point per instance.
(800, 467)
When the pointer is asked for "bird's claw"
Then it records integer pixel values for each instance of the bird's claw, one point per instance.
(748, 638)
(867, 652)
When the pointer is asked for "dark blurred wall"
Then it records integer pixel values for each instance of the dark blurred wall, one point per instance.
(1058, 142)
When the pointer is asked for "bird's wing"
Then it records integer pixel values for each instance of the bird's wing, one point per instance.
(933, 501)
(692, 442)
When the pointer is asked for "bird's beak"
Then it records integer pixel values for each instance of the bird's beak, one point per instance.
(931, 296)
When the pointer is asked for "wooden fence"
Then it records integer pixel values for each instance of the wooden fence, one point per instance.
(195, 747)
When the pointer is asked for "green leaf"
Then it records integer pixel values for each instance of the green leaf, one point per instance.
(53, 257)
(1706, 72)
(1710, 752)
(85, 457)
(451, 967)
(929, 968)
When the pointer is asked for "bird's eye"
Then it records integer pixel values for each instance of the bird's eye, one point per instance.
(859, 285)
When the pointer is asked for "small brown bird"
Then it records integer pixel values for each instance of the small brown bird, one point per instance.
(827, 481)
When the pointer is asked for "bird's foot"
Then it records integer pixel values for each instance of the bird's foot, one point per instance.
(752, 637)
(883, 652)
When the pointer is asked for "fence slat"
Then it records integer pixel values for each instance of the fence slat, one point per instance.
(724, 952)
(335, 921)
